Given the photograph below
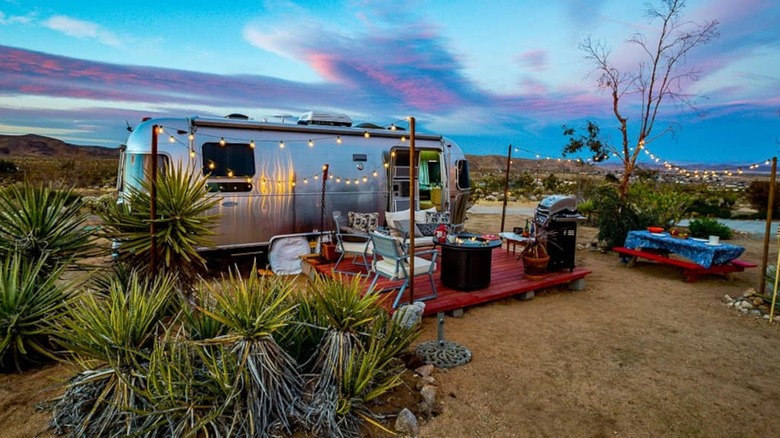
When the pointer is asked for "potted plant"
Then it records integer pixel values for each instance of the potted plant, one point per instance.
(535, 256)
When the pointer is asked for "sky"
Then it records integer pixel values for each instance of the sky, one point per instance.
(484, 74)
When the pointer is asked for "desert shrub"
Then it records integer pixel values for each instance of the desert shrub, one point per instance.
(663, 204)
(181, 227)
(32, 300)
(703, 227)
(712, 202)
(757, 194)
(44, 222)
(587, 208)
(615, 218)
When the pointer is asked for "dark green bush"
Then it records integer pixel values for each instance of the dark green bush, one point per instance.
(706, 226)
(757, 193)
(614, 218)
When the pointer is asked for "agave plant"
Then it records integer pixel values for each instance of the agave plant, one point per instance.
(111, 334)
(32, 300)
(38, 221)
(355, 360)
(255, 310)
(182, 224)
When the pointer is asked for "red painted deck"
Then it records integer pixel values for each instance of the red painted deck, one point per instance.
(506, 280)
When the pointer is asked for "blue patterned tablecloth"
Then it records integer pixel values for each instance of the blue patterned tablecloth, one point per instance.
(699, 252)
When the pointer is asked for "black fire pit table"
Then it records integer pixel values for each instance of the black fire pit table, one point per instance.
(466, 261)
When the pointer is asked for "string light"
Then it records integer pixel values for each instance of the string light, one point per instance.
(160, 130)
(338, 139)
(281, 145)
(366, 134)
(171, 139)
(311, 144)
(251, 144)
(222, 141)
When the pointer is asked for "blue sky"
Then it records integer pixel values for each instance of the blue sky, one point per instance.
(484, 74)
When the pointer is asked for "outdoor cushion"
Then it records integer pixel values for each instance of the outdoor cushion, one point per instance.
(387, 267)
(437, 218)
(364, 222)
(427, 229)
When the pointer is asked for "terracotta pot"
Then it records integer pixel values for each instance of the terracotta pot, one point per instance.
(535, 268)
(329, 252)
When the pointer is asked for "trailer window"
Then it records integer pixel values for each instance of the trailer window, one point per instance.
(137, 167)
(230, 160)
(464, 181)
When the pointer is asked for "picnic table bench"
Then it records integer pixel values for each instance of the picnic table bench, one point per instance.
(691, 271)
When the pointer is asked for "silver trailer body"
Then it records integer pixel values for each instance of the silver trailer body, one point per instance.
(268, 176)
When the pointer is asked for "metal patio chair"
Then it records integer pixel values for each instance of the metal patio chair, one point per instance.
(391, 261)
(353, 244)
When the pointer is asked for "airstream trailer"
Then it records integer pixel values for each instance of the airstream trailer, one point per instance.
(268, 175)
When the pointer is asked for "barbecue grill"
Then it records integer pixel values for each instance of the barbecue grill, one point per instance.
(557, 217)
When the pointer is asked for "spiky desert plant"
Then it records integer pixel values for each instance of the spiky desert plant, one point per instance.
(254, 310)
(190, 387)
(111, 334)
(354, 362)
(39, 220)
(32, 300)
(181, 227)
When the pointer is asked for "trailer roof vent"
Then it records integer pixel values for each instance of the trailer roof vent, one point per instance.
(236, 116)
(329, 119)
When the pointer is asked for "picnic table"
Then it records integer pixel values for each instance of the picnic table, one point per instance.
(702, 257)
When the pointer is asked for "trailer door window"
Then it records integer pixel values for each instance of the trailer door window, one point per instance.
(228, 160)
(464, 181)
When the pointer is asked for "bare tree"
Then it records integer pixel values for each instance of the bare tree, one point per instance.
(658, 78)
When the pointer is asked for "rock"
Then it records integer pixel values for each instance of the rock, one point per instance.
(766, 316)
(756, 312)
(747, 305)
(428, 403)
(425, 370)
(727, 298)
(743, 310)
(749, 293)
(757, 301)
(406, 423)
(730, 304)
(426, 381)
(409, 315)
(763, 308)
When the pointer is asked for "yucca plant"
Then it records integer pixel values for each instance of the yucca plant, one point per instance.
(254, 310)
(32, 300)
(181, 227)
(40, 221)
(354, 362)
(111, 334)
(190, 389)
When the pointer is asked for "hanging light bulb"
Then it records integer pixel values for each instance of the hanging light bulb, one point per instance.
(374, 174)
(311, 144)
(305, 181)
(338, 180)
(392, 127)
(387, 165)
(171, 139)
(356, 181)
(230, 174)
(160, 130)
(222, 141)
(347, 181)
(366, 134)
(338, 139)
(191, 137)
(403, 138)
(293, 183)
(281, 145)
(192, 153)
(252, 144)
(212, 165)
(316, 177)
(365, 178)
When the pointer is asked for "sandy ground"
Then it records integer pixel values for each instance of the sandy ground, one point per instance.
(638, 353)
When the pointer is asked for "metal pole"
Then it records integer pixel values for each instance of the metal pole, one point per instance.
(768, 229)
(325, 168)
(412, 205)
(153, 205)
(506, 186)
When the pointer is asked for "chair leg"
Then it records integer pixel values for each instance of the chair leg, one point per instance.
(373, 283)
(400, 293)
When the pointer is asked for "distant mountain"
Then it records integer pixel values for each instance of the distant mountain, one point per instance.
(497, 163)
(32, 145)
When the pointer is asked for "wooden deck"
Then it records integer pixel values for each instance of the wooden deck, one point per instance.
(506, 280)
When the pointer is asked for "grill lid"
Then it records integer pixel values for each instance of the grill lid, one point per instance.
(557, 203)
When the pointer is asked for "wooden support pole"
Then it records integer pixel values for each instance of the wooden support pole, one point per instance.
(768, 229)
(412, 205)
(153, 205)
(506, 186)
